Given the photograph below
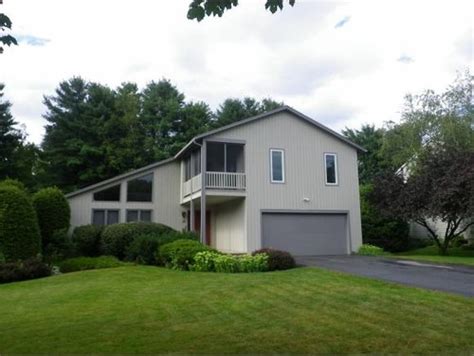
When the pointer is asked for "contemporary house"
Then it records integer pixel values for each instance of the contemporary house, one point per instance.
(278, 180)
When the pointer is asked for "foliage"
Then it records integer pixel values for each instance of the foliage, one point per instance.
(19, 231)
(212, 261)
(14, 183)
(391, 234)
(53, 212)
(442, 187)
(6, 40)
(87, 240)
(198, 9)
(143, 249)
(23, 270)
(370, 250)
(277, 259)
(180, 254)
(117, 238)
(87, 263)
(457, 255)
(60, 246)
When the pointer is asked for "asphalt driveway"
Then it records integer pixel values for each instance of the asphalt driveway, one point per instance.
(454, 279)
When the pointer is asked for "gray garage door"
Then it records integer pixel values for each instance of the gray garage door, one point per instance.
(304, 234)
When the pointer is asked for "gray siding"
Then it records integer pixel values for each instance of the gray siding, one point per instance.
(304, 147)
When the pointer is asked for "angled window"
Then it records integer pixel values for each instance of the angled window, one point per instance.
(140, 189)
(330, 163)
(138, 215)
(108, 194)
(105, 217)
(277, 166)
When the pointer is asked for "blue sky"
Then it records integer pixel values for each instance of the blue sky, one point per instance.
(343, 63)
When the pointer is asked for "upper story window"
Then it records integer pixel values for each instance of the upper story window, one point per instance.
(225, 157)
(330, 163)
(108, 194)
(192, 165)
(277, 166)
(140, 189)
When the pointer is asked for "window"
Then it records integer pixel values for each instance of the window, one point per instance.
(192, 165)
(277, 166)
(140, 189)
(138, 215)
(105, 217)
(330, 162)
(108, 194)
(215, 157)
(225, 157)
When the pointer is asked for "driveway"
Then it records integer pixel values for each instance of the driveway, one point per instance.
(454, 279)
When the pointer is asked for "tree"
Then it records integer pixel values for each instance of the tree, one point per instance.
(441, 187)
(198, 9)
(5, 23)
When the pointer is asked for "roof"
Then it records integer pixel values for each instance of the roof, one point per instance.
(213, 132)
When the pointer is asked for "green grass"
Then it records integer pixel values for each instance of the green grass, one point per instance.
(139, 309)
(456, 255)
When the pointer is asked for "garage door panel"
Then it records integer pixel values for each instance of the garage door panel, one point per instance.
(305, 234)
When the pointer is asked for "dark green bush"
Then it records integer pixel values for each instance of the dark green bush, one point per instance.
(143, 249)
(180, 254)
(19, 232)
(21, 271)
(60, 247)
(118, 237)
(53, 212)
(277, 260)
(13, 183)
(87, 240)
(86, 263)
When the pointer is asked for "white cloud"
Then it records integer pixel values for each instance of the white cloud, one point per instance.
(342, 76)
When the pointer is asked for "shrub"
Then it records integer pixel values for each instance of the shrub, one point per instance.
(370, 250)
(19, 231)
(253, 263)
(86, 263)
(180, 254)
(87, 241)
(60, 246)
(20, 271)
(277, 259)
(52, 209)
(212, 261)
(143, 249)
(13, 183)
(117, 238)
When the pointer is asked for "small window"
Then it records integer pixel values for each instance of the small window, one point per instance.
(330, 162)
(105, 217)
(109, 194)
(138, 215)
(277, 165)
(140, 189)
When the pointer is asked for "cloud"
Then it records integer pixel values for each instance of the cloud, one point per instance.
(32, 40)
(405, 59)
(342, 22)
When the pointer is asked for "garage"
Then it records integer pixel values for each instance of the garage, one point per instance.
(306, 234)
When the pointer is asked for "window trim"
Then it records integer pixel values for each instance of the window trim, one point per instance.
(139, 215)
(152, 173)
(106, 216)
(336, 168)
(283, 176)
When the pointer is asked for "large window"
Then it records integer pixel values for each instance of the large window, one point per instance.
(277, 166)
(109, 194)
(140, 189)
(330, 163)
(138, 215)
(225, 157)
(105, 216)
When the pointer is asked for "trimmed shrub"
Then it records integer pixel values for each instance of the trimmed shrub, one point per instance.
(86, 263)
(143, 249)
(277, 260)
(117, 238)
(13, 183)
(180, 254)
(371, 250)
(19, 232)
(60, 247)
(87, 240)
(211, 261)
(20, 271)
(52, 209)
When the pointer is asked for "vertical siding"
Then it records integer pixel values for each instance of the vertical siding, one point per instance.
(165, 200)
(228, 226)
(304, 147)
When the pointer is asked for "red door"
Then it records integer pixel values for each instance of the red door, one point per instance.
(197, 225)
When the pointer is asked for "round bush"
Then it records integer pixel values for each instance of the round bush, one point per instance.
(142, 250)
(117, 238)
(19, 232)
(31, 268)
(277, 260)
(13, 183)
(52, 209)
(86, 238)
(180, 254)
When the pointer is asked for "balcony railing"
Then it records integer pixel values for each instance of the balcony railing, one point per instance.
(215, 180)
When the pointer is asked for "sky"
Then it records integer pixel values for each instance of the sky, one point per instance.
(343, 63)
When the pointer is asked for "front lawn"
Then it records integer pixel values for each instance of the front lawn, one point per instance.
(137, 309)
(457, 255)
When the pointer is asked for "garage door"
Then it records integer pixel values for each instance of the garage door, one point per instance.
(304, 234)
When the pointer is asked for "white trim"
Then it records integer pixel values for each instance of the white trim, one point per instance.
(336, 170)
(282, 165)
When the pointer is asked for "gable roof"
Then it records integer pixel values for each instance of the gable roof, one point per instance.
(213, 132)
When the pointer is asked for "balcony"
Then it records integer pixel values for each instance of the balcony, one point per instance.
(215, 180)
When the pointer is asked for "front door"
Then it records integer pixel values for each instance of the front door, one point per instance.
(197, 225)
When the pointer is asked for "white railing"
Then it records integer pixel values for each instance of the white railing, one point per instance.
(225, 180)
(192, 185)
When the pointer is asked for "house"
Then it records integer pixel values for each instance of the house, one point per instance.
(278, 180)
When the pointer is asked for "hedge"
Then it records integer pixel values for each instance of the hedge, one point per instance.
(87, 241)
(180, 254)
(19, 232)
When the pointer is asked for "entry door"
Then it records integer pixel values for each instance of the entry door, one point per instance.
(197, 225)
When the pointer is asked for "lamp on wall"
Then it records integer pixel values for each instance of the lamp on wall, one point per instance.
(306, 200)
